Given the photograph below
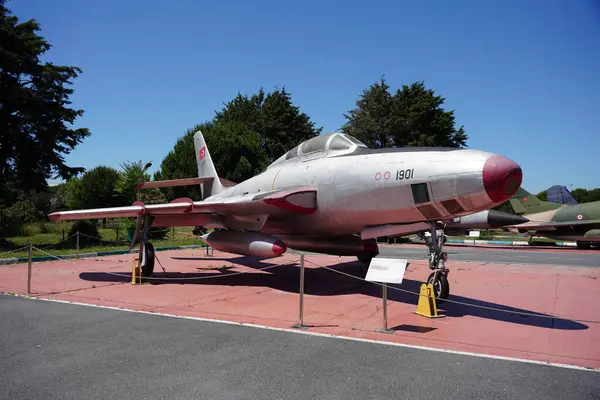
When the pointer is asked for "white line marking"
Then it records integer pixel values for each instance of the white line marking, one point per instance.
(292, 330)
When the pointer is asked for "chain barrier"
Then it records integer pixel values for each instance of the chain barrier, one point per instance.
(549, 316)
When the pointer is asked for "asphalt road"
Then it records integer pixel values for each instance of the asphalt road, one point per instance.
(564, 257)
(61, 351)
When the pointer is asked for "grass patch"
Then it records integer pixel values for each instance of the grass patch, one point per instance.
(58, 243)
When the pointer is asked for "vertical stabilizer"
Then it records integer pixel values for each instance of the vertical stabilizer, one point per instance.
(525, 203)
(206, 168)
(561, 195)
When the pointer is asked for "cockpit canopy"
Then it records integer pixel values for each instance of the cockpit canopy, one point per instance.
(331, 143)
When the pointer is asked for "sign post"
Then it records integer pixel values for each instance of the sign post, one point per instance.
(386, 270)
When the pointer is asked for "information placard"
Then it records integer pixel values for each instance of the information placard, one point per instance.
(388, 270)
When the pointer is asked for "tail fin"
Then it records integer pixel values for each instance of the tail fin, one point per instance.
(560, 194)
(206, 168)
(525, 203)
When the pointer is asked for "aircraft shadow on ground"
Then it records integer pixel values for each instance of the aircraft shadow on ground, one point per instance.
(322, 282)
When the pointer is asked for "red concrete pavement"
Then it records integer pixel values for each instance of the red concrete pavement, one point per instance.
(202, 286)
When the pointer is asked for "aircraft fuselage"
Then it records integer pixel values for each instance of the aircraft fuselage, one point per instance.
(374, 187)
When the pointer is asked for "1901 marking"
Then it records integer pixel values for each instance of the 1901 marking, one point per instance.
(404, 174)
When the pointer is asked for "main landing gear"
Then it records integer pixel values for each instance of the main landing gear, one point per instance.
(437, 259)
(146, 253)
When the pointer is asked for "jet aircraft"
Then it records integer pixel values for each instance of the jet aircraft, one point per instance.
(330, 194)
(579, 222)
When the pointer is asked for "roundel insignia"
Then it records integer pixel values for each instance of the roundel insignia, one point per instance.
(580, 217)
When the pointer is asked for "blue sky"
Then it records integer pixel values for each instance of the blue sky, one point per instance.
(522, 76)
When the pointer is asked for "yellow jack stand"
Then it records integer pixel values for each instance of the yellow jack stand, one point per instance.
(427, 306)
(136, 276)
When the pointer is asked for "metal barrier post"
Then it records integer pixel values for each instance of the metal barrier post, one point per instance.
(385, 321)
(29, 268)
(77, 248)
(300, 324)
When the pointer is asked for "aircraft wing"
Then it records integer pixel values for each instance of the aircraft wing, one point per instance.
(550, 225)
(298, 200)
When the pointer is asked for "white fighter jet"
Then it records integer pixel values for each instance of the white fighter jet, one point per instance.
(331, 194)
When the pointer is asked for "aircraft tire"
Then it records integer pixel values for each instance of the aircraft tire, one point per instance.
(584, 245)
(148, 269)
(365, 258)
(441, 288)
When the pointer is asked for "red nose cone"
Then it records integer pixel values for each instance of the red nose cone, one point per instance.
(279, 248)
(502, 178)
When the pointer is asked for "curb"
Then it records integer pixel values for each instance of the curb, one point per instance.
(508, 242)
(7, 261)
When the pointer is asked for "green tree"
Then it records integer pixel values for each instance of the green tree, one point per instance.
(96, 188)
(413, 116)
(131, 175)
(73, 193)
(543, 195)
(34, 112)
(372, 120)
(180, 163)
(236, 151)
(279, 124)
(585, 195)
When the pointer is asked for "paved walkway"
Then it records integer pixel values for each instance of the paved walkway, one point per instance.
(337, 304)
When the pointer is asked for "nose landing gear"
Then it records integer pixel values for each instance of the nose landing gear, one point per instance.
(437, 262)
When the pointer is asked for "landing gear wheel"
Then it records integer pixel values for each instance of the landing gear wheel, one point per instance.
(584, 245)
(365, 258)
(441, 288)
(148, 268)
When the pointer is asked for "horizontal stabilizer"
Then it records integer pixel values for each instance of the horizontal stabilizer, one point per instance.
(174, 182)
(183, 182)
(302, 200)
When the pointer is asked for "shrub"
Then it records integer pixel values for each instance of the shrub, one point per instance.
(486, 234)
(89, 229)
(29, 229)
(158, 233)
(15, 216)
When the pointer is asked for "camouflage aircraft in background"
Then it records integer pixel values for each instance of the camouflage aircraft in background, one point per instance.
(331, 194)
(577, 222)
(560, 194)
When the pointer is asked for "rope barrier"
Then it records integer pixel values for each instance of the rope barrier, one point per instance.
(185, 278)
(15, 250)
(62, 241)
(522, 313)
(123, 243)
(549, 316)
(126, 275)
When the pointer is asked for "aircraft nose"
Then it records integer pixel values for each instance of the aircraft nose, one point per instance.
(502, 178)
